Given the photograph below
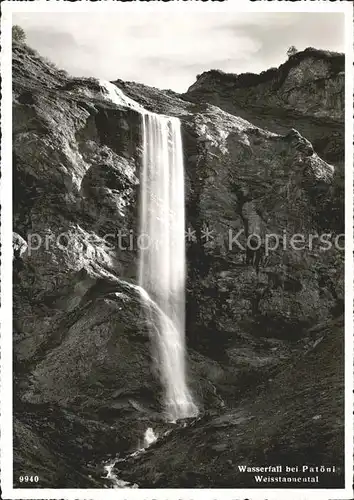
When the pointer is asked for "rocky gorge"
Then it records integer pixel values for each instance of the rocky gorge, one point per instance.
(263, 155)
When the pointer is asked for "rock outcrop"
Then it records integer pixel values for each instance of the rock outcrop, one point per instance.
(81, 344)
(268, 427)
(308, 89)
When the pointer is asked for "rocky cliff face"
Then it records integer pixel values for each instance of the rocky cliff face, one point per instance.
(82, 351)
(307, 89)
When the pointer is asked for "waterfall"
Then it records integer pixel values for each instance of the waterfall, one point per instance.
(162, 263)
(162, 255)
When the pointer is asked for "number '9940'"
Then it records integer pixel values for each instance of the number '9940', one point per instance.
(28, 479)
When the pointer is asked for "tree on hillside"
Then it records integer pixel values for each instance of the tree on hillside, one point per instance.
(291, 51)
(18, 34)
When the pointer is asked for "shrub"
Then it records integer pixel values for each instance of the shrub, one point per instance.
(291, 51)
(18, 34)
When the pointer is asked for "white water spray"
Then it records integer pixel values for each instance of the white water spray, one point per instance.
(116, 95)
(162, 266)
(149, 437)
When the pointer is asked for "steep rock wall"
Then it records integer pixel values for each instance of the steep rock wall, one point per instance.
(80, 332)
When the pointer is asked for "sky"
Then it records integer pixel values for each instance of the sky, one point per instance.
(169, 51)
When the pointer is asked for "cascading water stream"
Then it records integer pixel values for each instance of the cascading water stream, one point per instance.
(162, 255)
(149, 439)
(162, 266)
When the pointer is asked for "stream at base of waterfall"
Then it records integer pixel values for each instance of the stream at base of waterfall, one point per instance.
(149, 439)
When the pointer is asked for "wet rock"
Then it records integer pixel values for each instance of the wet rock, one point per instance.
(19, 246)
